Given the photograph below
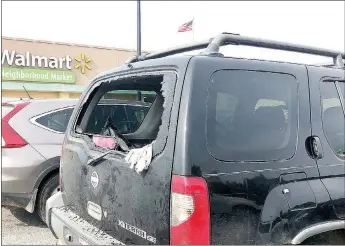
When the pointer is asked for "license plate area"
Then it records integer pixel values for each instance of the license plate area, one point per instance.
(94, 210)
(71, 238)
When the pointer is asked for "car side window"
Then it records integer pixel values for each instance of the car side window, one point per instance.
(333, 118)
(252, 116)
(56, 121)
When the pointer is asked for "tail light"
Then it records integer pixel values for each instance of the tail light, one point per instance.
(190, 211)
(10, 138)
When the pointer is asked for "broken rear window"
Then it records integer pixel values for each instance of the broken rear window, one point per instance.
(128, 113)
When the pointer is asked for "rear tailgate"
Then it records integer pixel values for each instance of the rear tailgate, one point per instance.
(129, 206)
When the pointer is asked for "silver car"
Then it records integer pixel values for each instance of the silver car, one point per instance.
(32, 136)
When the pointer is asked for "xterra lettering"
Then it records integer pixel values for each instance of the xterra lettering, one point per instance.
(136, 231)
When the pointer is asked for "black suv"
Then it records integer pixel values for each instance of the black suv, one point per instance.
(231, 151)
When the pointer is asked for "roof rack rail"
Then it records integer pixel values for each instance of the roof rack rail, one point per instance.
(212, 47)
(171, 51)
(330, 65)
(227, 38)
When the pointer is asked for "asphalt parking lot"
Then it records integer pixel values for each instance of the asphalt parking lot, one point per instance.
(22, 228)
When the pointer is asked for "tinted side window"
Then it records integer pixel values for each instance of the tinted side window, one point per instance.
(252, 116)
(333, 117)
(56, 121)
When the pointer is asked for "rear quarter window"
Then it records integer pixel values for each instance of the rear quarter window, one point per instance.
(56, 121)
(252, 115)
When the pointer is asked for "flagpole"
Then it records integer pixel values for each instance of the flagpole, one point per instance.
(139, 96)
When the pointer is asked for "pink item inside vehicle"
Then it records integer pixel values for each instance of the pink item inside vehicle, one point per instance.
(104, 142)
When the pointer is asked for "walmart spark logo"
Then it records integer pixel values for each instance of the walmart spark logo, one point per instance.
(82, 63)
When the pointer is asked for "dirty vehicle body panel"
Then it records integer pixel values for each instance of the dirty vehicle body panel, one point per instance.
(247, 128)
(329, 84)
(126, 197)
(247, 202)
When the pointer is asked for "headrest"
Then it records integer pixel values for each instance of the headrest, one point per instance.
(150, 125)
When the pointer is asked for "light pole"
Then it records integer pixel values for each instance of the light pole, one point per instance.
(138, 40)
(138, 29)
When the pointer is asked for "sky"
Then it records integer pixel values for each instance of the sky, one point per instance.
(113, 23)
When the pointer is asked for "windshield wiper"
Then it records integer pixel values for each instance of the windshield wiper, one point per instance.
(93, 161)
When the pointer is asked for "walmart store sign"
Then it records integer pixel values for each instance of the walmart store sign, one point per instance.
(29, 67)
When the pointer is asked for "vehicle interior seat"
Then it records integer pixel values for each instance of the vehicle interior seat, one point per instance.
(149, 128)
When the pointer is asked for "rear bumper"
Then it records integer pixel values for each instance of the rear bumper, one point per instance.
(69, 228)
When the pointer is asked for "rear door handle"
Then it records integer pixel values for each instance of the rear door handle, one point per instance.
(286, 191)
(316, 147)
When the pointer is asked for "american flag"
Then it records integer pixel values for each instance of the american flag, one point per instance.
(186, 27)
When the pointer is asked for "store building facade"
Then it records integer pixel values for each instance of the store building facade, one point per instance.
(51, 69)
